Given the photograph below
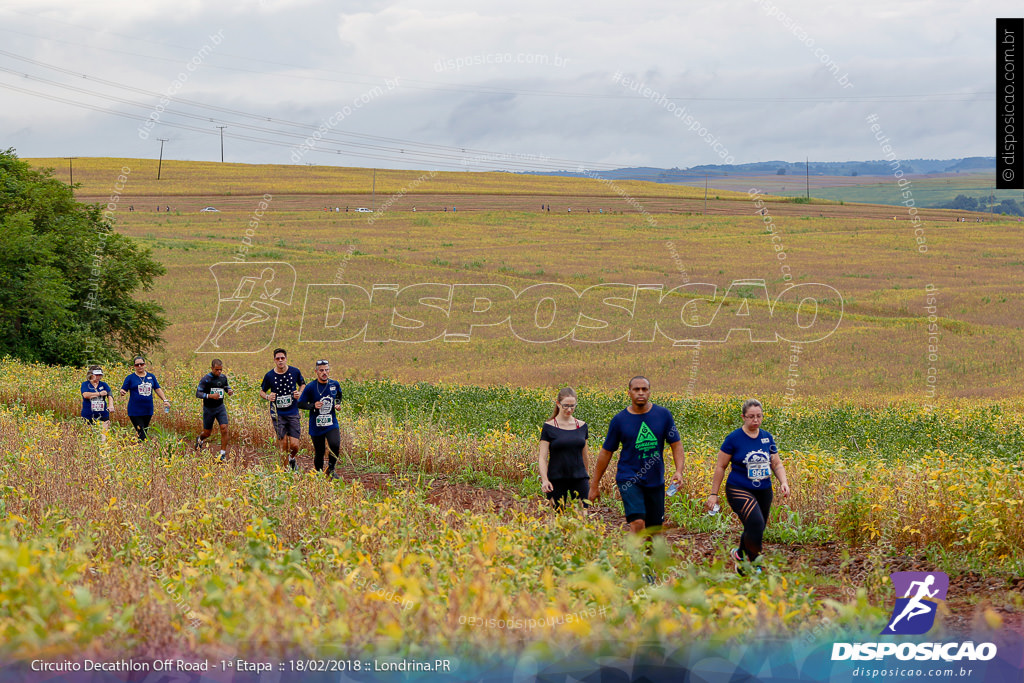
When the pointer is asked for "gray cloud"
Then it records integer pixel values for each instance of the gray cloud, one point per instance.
(533, 78)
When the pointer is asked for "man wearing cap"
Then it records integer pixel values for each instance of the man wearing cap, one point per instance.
(282, 386)
(96, 401)
(212, 389)
(319, 398)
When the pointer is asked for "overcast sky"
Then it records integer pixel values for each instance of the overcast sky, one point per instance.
(516, 84)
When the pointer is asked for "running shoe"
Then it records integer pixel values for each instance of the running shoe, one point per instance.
(223, 457)
(333, 475)
(738, 559)
(199, 443)
(292, 465)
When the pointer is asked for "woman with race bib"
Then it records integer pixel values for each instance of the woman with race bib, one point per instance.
(139, 386)
(319, 398)
(753, 455)
(96, 400)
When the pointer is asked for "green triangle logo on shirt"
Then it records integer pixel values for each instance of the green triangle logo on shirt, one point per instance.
(645, 440)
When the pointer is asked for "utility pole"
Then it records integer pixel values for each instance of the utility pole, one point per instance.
(807, 175)
(161, 163)
(71, 171)
(222, 143)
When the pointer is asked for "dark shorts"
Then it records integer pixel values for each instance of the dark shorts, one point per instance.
(98, 417)
(220, 414)
(643, 502)
(288, 425)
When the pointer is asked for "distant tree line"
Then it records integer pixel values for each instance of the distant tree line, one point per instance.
(962, 202)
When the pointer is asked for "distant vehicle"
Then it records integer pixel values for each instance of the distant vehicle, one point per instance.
(363, 210)
(209, 209)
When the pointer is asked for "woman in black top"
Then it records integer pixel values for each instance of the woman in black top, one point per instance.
(563, 453)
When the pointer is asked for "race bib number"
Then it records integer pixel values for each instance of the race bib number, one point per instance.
(145, 389)
(98, 405)
(326, 403)
(324, 420)
(283, 401)
(757, 472)
(217, 392)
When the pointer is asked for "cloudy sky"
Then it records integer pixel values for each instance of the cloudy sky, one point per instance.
(521, 84)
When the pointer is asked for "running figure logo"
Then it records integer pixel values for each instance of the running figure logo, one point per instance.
(914, 613)
(249, 301)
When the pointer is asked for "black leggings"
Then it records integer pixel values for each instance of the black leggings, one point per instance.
(752, 507)
(566, 489)
(141, 424)
(320, 443)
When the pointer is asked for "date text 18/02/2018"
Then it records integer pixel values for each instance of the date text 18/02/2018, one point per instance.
(368, 665)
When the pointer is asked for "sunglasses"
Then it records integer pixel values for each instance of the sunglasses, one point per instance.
(139, 365)
(322, 362)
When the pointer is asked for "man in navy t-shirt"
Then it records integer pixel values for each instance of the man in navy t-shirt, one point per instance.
(320, 398)
(642, 429)
(282, 387)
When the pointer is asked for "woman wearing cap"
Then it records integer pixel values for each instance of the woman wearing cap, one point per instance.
(139, 386)
(319, 398)
(563, 453)
(96, 401)
(752, 453)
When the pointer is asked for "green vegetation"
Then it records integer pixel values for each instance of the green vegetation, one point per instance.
(69, 280)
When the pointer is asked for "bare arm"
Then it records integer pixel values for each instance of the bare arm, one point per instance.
(603, 458)
(679, 457)
(716, 481)
(780, 472)
(542, 463)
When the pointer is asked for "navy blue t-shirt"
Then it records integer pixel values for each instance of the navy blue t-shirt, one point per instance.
(322, 419)
(89, 405)
(751, 459)
(140, 393)
(283, 385)
(643, 439)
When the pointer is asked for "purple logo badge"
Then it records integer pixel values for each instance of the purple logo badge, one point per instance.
(917, 596)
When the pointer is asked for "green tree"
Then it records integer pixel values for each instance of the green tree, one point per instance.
(69, 279)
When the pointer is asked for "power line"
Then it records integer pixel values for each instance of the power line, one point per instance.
(480, 89)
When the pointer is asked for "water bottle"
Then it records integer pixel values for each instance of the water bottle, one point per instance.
(167, 408)
(714, 511)
(673, 488)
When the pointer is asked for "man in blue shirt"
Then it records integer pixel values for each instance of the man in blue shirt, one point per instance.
(320, 398)
(642, 429)
(282, 387)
